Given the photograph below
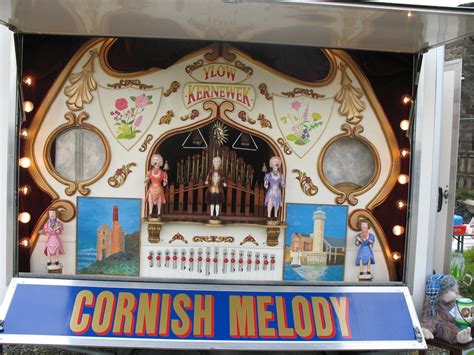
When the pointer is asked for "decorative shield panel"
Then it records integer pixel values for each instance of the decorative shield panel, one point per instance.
(301, 120)
(129, 112)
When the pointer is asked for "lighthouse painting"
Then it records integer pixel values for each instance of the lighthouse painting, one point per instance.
(108, 236)
(315, 243)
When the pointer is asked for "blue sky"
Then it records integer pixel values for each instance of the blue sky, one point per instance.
(93, 212)
(299, 220)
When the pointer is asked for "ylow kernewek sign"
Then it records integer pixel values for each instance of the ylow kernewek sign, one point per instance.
(208, 316)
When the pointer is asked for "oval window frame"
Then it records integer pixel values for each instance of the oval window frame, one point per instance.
(75, 122)
(344, 196)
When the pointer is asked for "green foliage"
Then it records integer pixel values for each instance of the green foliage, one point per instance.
(124, 263)
(464, 193)
(464, 290)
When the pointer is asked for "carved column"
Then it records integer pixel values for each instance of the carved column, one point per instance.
(272, 236)
(154, 230)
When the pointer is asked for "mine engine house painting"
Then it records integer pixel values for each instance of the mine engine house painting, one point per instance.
(110, 241)
(188, 166)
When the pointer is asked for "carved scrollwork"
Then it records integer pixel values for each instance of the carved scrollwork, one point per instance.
(246, 118)
(145, 143)
(82, 84)
(191, 116)
(167, 117)
(126, 83)
(192, 67)
(249, 239)
(284, 146)
(264, 122)
(219, 50)
(350, 98)
(174, 86)
(264, 91)
(213, 239)
(218, 110)
(305, 92)
(245, 68)
(178, 237)
(120, 176)
(306, 184)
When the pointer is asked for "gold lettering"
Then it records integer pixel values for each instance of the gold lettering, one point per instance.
(283, 330)
(323, 318)
(124, 320)
(341, 307)
(80, 322)
(165, 314)
(302, 317)
(265, 316)
(103, 313)
(182, 327)
(242, 317)
(147, 315)
(203, 315)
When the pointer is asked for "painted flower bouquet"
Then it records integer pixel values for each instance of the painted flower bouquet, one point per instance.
(128, 119)
(302, 125)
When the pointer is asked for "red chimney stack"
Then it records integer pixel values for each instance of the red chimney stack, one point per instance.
(115, 219)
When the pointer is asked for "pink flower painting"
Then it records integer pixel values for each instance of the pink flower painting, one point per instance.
(121, 104)
(126, 121)
(141, 101)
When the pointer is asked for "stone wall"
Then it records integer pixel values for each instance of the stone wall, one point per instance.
(464, 50)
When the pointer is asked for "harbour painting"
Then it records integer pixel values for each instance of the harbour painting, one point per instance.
(108, 236)
(315, 242)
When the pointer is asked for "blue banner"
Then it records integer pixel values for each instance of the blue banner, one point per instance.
(212, 313)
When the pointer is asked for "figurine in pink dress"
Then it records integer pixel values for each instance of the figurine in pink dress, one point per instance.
(274, 183)
(53, 229)
(158, 179)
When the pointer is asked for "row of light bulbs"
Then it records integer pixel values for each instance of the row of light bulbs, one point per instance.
(25, 162)
(403, 179)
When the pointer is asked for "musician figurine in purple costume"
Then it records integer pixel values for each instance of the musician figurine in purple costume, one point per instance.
(365, 256)
(274, 183)
(53, 229)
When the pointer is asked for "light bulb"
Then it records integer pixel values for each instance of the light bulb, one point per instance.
(25, 242)
(406, 99)
(398, 230)
(24, 133)
(25, 162)
(396, 256)
(24, 217)
(24, 190)
(28, 106)
(404, 152)
(410, 14)
(404, 125)
(28, 80)
(403, 179)
(401, 204)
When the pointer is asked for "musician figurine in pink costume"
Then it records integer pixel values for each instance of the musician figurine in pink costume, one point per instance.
(158, 179)
(274, 183)
(53, 229)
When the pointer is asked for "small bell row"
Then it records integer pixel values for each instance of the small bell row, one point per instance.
(209, 261)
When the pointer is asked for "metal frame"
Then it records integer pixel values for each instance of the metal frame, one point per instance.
(456, 66)
(9, 159)
(209, 344)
